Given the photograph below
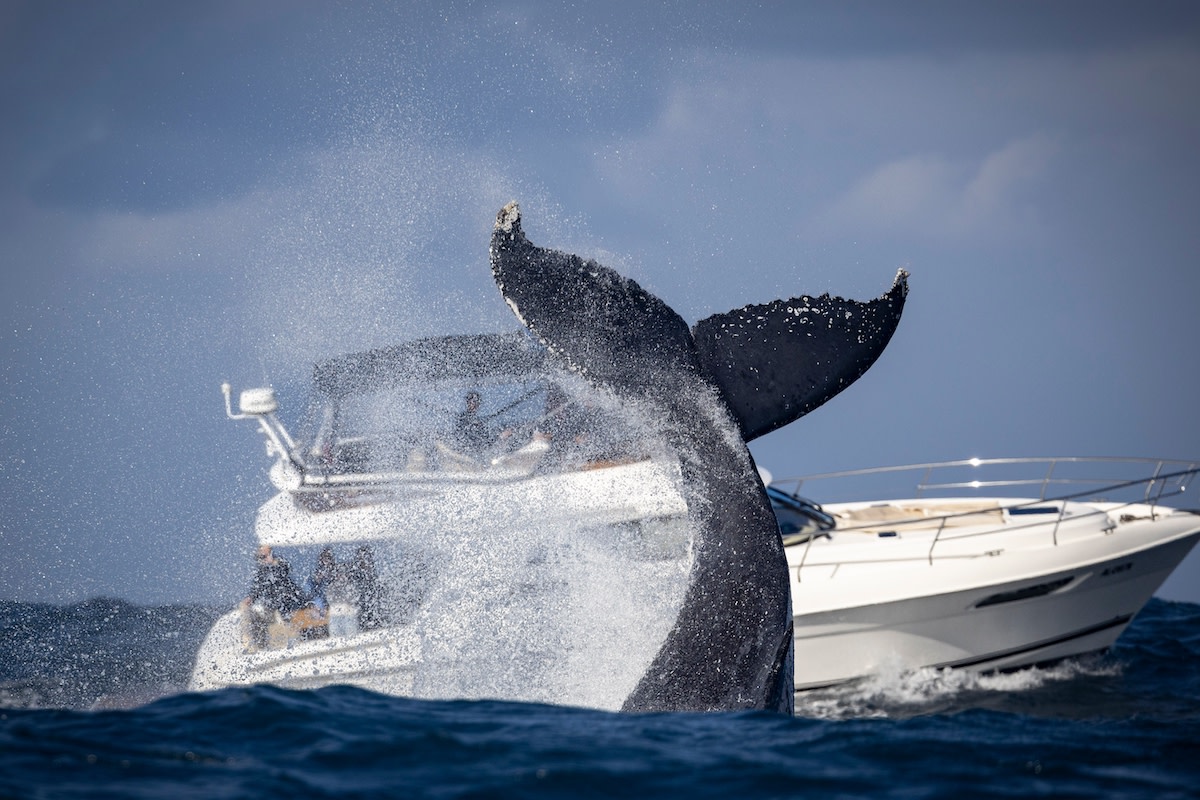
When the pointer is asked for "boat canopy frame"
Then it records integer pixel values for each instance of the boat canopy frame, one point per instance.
(433, 360)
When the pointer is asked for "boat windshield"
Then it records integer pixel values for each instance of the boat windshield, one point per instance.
(402, 426)
(461, 403)
(799, 518)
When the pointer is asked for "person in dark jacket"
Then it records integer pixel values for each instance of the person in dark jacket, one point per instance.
(471, 432)
(323, 577)
(272, 591)
(366, 581)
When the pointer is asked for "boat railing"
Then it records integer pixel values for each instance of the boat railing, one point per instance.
(1055, 482)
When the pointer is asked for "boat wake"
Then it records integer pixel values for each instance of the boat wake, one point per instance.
(903, 694)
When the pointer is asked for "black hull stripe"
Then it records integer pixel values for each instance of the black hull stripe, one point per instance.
(1124, 619)
(1029, 648)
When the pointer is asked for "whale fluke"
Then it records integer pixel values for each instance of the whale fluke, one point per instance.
(777, 361)
(731, 643)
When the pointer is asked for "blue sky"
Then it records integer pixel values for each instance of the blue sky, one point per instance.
(198, 192)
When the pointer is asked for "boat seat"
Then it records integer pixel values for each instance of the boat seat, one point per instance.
(953, 515)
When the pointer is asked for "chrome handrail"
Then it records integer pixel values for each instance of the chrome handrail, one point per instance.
(1159, 485)
(1184, 469)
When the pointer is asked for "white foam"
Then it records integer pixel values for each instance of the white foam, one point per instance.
(906, 693)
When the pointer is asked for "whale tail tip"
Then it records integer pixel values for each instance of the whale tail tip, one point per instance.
(509, 218)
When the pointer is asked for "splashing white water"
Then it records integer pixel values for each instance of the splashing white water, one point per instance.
(547, 609)
(892, 693)
(558, 615)
(546, 581)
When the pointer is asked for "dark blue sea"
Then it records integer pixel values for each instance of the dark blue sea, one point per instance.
(93, 704)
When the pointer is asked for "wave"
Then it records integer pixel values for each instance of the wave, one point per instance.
(99, 653)
(115, 721)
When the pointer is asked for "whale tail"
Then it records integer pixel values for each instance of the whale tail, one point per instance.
(772, 363)
(748, 371)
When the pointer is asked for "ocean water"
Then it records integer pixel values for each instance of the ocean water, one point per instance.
(93, 704)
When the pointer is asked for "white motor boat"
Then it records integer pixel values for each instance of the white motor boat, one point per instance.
(958, 574)
(420, 499)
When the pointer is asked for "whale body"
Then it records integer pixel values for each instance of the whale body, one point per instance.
(715, 386)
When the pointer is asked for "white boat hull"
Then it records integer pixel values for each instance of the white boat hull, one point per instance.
(1068, 599)
(381, 660)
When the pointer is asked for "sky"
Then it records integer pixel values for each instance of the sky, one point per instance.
(200, 192)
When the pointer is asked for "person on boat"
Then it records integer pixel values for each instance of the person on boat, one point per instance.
(323, 577)
(471, 432)
(563, 423)
(312, 621)
(273, 594)
(577, 431)
(362, 574)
